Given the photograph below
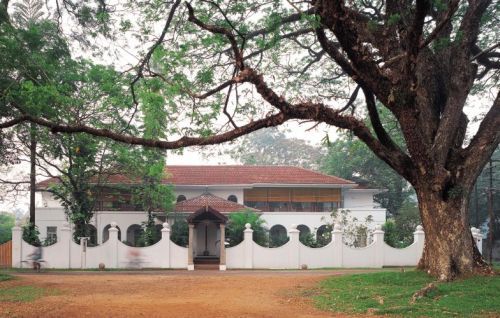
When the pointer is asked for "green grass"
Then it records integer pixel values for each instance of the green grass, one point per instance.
(24, 293)
(389, 293)
(4, 276)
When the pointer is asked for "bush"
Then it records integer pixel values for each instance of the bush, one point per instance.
(7, 222)
(31, 234)
(236, 226)
(180, 233)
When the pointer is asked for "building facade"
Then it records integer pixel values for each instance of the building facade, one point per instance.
(283, 195)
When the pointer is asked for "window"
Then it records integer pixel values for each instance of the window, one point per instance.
(232, 198)
(51, 234)
(181, 198)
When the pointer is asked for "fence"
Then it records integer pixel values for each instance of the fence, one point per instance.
(6, 254)
(248, 254)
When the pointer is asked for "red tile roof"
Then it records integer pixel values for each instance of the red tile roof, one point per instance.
(208, 199)
(234, 174)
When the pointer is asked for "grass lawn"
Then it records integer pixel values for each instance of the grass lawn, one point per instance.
(21, 293)
(389, 293)
(4, 276)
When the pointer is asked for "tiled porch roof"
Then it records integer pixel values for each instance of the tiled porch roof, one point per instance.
(208, 199)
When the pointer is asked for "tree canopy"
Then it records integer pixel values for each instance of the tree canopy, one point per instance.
(227, 69)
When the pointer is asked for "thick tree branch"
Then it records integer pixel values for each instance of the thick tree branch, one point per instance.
(270, 121)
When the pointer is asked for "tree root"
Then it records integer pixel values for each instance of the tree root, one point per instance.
(422, 293)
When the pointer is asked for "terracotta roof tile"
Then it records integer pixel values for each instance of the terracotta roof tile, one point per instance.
(234, 174)
(208, 199)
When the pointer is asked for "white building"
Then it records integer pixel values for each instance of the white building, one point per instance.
(284, 195)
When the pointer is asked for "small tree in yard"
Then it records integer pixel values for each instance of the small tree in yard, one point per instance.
(236, 226)
(7, 222)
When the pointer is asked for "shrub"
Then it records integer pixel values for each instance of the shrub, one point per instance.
(31, 234)
(7, 222)
(180, 233)
(236, 226)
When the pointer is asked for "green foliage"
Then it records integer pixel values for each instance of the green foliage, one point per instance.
(399, 230)
(390, 293)
(180, 233)
(357, 233)
(149, 235)
(308, 240)
(236, 226)
(394, 19)
(351, 159)
(25, 293)
(4, 277)
(31, 234)
(278, 240)
(7, 222)
(272, 147)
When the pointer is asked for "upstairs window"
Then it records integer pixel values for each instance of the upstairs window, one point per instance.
(232, 198)
(181, 198)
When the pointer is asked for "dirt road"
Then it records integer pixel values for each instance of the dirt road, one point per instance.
(171, 294)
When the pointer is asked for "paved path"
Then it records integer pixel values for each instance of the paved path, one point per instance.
(171, 293)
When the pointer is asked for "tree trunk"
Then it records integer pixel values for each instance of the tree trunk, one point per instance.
(450, 250)
(32, 172)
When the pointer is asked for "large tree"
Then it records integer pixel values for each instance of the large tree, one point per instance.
(262, 63)
(273, 147)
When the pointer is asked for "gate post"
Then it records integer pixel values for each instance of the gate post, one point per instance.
(17, 239)
(248, 241)
(294, 261)
(113, 244)
(165, 244)
(338, 246)
(378, 239)
(64, 238)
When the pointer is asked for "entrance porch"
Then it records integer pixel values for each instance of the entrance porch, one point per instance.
(206, 239)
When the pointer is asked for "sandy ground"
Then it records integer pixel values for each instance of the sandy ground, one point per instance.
(171, 294)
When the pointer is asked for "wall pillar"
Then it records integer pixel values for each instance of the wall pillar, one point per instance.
(83, 250)
(64, 238)
(17, 240)
(478, 238)
(113, 245)
(378, 241)
(165, 245)
(338, 246)
(248, 241)
(419, 240)
(190, 248)
(222, 265)
(294, 260)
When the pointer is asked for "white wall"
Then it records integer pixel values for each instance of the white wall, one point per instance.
(361, 199)
(221, 192)
(314, 220)
(165, 254)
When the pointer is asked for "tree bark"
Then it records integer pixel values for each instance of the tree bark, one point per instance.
(450, 250)
(32, 171)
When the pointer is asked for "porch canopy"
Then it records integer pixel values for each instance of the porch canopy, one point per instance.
(207, 213)
(204, 215)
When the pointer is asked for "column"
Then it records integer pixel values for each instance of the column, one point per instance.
(293, 244)
(65, 238)
(478, 238)
(378, 244)
(165, 244)
(17, 240)
(338, 246)
(418, 240)
(113, 245)
(190, 248)
(222, 265)
(248, 241)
